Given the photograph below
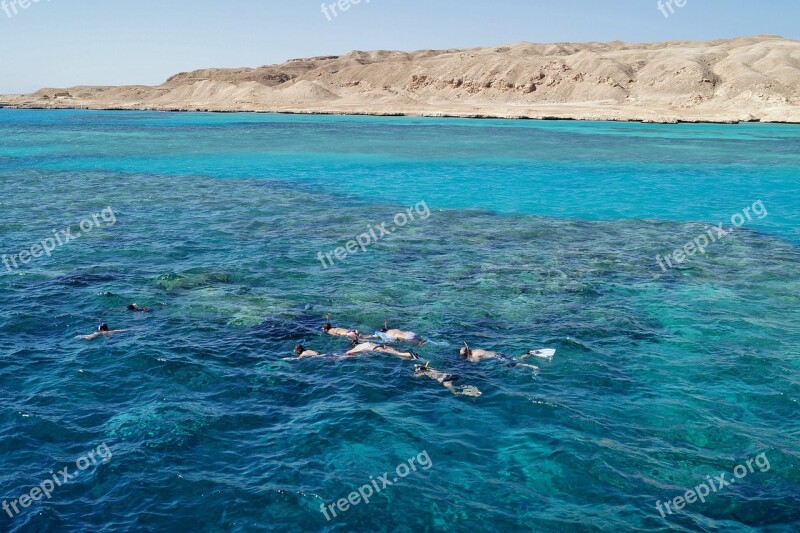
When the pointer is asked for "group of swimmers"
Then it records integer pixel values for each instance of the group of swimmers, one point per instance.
(362, 344)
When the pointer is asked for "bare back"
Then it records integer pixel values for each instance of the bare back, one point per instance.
(476, 356)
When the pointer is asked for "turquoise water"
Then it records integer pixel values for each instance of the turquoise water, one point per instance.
(539, 234)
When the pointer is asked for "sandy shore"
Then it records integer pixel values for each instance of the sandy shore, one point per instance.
(744, 79)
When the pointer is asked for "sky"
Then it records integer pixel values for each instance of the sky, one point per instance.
(62, 43)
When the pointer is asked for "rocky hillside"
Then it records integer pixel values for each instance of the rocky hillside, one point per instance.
(749, 78)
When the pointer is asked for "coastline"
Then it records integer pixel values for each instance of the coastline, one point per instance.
(728, 81)
(566, 112)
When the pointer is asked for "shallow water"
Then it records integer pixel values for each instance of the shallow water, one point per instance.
(538, 234)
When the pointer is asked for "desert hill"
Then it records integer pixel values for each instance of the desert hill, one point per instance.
(743, 79)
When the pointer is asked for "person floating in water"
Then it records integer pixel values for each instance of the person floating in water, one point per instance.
(370, 347)
(136, 308)
(393, 335)
(301, 352)
(339, 332)
(448, 380)
(475, 356)
(102, 331)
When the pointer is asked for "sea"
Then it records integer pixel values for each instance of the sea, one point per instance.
(661, 262)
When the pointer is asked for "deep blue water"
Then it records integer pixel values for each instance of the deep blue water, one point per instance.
(537, 234)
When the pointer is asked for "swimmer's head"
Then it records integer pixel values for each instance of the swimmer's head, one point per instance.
(385, 327)
(102, 327)
(132, 307)
(326, 327)
(299, 349)
(465, 351)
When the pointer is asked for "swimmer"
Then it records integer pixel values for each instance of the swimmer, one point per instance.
(138, 309)
(399, 335)
(339, 332)
(447, 380)
(102, 330)
(475, 356)
(301, 352)
(370, 347)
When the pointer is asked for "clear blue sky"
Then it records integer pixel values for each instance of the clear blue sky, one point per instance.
(58, 43)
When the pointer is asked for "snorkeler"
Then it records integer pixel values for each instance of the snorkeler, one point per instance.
(370, 347)
(301, 352)
(392, 335)
(138, 309)
(339, 332)
(447, 380)
(475, 356)
(102, 330)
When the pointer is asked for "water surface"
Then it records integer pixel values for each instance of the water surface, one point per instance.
(540, 234)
